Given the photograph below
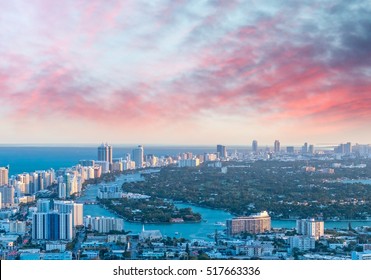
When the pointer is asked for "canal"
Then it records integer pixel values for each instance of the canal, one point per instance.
(211, 219)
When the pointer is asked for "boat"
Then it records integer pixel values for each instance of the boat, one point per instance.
(219, 224)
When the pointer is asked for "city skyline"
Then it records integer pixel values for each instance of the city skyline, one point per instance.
(228, 72)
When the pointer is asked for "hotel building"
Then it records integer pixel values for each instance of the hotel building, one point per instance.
(254, 224)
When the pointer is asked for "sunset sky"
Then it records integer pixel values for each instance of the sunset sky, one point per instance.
(185, 72)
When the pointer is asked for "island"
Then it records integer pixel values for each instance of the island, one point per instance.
(149, 210)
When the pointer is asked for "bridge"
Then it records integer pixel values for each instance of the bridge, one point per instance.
(90, 202)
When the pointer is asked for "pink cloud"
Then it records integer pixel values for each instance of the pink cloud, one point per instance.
(252, 71)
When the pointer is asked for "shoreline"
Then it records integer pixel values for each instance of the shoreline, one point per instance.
(275, 219)
(140, 222)
(218, 209)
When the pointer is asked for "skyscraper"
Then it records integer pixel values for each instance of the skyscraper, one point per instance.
(348, 148)
(76, 209)
(52, 226)
(138, 156)
(277, 146)
(34, 183)
(255, 146)
(311, 149)
(344, 149)
(7, 194)
(105, 153)
(222, 150)
(304, 148)
(43, 205)
(62, 191)
(4, 176)
(70, 179)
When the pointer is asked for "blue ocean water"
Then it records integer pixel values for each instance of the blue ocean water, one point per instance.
(28, 159)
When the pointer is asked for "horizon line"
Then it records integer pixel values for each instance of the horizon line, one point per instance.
(61, 145)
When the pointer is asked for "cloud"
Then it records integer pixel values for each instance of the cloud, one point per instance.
(132, 63)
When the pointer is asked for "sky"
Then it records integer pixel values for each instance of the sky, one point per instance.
(185, 72)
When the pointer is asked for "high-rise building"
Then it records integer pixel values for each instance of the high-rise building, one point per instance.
(105, 166)
(304, 148)
(4, 176)
(153, 160)
(105, 153)
(66, 225)
(188, 162)
(7, 195)
(310, 227)
(40, 225)
(52, 226)
(34, 183)
(344, 149)
(255, 224)
(138, 156)
(109, 192)
(19, 187)
(290, 149)
(17, 227)
(348, 148)
(311, 149)
(64, 206)
(88, 162)
(277, 146)
(104, 224)
(43, 205)
(255, 146)
(97, 171)
(24, 178)
(62, 191)
(222, 151)
(70, 179)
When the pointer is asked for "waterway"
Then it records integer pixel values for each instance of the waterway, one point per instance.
(212, 219)
(355, 181)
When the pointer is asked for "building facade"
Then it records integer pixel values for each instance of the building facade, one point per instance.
(104, 224)
(257, 223)
(7, 196)
(138, 156)
(189, 162)
(4, 176)
(52, 226)
(277, 146)
(76, 209)
(222, 151)
(105, 153)
(255, 146)
(310, 228)
(303, 243)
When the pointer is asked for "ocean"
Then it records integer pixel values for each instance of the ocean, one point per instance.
(28, 159)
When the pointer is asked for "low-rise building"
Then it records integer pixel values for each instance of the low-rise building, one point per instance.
(366, 255)
(150, 235)
(67, 255)
(303, 243)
